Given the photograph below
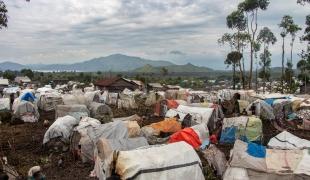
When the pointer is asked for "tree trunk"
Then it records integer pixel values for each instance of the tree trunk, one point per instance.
(234, 76)
(251, 66)
(282, 76)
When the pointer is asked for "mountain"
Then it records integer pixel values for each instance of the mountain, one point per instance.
(11, 66)
(186, 68)
(116, 62)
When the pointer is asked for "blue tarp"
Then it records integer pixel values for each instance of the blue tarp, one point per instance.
(269, 101)
(228, 135)
(28, 96)
(256, 150)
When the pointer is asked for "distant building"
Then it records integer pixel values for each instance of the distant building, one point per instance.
(22, 79)
(4, 83)
(116, 84)
(155, 87)
(172, 87)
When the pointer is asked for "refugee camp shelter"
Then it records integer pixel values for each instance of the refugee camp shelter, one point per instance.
(172, 87)
(22, 79)
(155, 87)
(116, 84)
(4, 83)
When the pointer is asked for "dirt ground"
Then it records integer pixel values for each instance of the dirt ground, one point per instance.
(22, 145)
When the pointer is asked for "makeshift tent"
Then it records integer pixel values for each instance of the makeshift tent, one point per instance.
(90, 131)
(249, 128)
(28, 96)
(5, 104)
(227, 94)
(187, 135)
(49, 101)
(25, 111)
(77, 111)
(134, 117)
(106, 148)
(62, 127)
(112, 99)
(73, 99)
(262, 109)
(242, 158)
(92, 96)
(169, 125)
(286, 140)
(100, 111)
(199, 114)
(283, 161)
(160, 162)
(126, 102)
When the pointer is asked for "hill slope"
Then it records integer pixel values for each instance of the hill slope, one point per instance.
(186, 68)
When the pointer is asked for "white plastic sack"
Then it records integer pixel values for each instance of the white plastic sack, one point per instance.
(62, 127)
(4, 104)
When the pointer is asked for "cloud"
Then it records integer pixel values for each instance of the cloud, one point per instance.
(68, 31)
(176, 52)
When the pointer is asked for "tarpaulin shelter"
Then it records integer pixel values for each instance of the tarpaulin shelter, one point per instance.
(187, 135)
(76, 110)
(169, 125)
(286, 140)
(101, 111)
(160, 162)
(25, 111)
(49, 101)
(262, 110)
(62, 127)
(243, 127)
(107, 147)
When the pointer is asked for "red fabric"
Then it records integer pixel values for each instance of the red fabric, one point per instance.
(172, 104)
(187, 135)
(213, 139)
(157, 109)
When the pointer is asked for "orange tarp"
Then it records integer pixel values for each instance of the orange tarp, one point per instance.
(169, 125)
(172, 104)
(187, 135)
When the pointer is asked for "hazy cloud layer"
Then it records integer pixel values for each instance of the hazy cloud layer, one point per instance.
(66, 31)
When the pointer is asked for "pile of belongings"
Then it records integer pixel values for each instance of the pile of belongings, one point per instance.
(60, 131)
(77, 111)
(75, 98)
(162, 129)
(261, 109)
(90, 130)
(101, 111)
(126, 101)
(287, 160)
(47, 101)
(199, 114)
(227, 94)
(243, 127)
(25, 108)
(173, 161)
(92, 96)
(161, 107)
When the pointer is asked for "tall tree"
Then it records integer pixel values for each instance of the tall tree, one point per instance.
(266, 37)
(251, 8)
(232, 59)
(236, 20)
(3, 15)
(284, 25)
(303, 2)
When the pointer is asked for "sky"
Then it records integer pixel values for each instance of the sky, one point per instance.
(181, 31)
